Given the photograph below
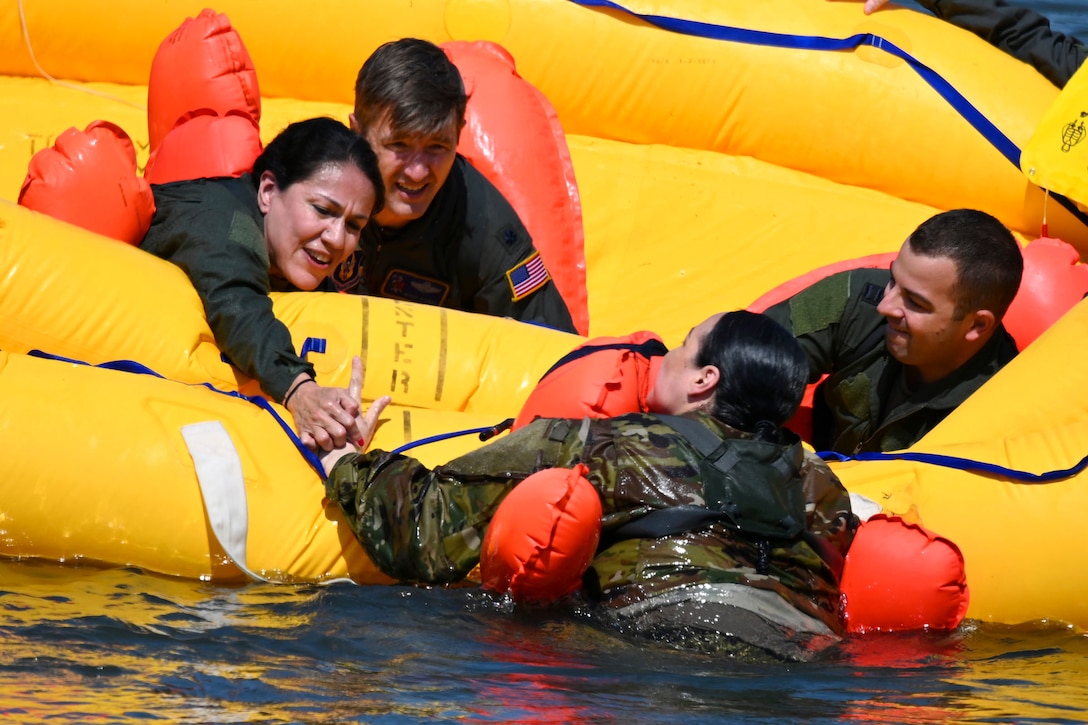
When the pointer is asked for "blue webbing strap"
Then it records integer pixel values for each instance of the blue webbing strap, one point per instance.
(962, 464)
(961, 105)
(130, 366)
(489, 431)
(648, 349)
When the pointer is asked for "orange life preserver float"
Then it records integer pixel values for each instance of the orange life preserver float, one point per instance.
(202, 64)
(205, 144)
(89, 178)
(604, 377)
(543, 536)
(900, 576)
(1054, 281)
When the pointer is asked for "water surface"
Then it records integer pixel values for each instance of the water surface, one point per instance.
(79, 644)
(88, 645)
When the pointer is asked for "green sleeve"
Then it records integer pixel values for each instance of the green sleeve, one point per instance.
(497, 242)
(1022, 33)
(202, 229)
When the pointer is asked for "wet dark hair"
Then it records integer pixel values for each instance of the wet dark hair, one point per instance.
(989, 263)
(762, 372)
(415, 83)
(302, 148)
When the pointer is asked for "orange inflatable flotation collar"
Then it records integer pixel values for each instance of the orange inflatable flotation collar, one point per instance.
(543, 536)
(604, 377)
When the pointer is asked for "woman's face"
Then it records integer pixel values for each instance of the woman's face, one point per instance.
(681, 385)
(313, 225)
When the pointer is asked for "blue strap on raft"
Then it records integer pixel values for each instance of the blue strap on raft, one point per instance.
(130, 366)
(972, 115)
(962, 464)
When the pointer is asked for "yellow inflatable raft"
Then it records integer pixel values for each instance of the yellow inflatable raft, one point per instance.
(710, 171)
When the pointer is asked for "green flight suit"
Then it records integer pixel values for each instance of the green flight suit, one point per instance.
(214, 231)
(864, 404)
(465, 253)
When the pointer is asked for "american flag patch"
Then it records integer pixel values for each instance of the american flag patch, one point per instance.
(527, 277)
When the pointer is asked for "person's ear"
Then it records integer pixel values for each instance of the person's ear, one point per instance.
(706, 380)
(354, 124)
(983, 323)
(266, 189)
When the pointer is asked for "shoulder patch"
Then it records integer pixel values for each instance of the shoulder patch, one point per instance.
(401, 284)
(820, 304)
(347, 275)
(509, 237)
(244, 230)
(872, 294)
(527, 277)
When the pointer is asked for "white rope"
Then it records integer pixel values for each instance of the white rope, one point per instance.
(65, 84)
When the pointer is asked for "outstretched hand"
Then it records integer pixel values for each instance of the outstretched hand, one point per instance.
(324, 416)
(364, 425)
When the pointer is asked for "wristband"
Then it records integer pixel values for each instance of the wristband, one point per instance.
(295, 390)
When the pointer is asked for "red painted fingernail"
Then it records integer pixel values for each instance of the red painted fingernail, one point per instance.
(361, 443)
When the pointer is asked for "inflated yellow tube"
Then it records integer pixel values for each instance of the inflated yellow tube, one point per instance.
(114, 482)
(671, 237)
(78, 295)
(103, 472)
(1020, 541)
(860, 117)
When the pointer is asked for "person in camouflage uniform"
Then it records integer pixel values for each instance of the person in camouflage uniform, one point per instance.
(712, 584)
(904, 347)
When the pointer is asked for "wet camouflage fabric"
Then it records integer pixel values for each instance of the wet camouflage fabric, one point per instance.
(428, 526)
(863, 404)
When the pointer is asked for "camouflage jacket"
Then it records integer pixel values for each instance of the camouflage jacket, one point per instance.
(428, 525)
(836, 322)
